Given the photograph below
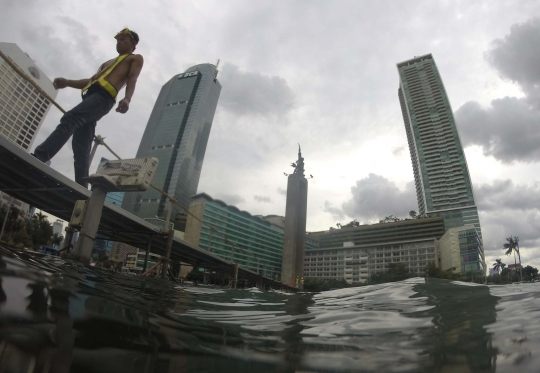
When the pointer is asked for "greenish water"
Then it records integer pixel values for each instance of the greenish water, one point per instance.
(58, 316)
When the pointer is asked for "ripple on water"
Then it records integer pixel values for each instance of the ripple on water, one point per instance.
(118, 323)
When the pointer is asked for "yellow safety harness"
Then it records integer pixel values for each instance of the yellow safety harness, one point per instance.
(104, 83)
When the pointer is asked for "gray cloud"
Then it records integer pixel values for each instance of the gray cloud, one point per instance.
(504, 194)
(508, 129)
(516, 57)
(230, 199)
(497, 225)
(337, 214)
(375, 197)
(263, 199)
(283, 192)
(252, 93)
(507, 209)
(398, 150)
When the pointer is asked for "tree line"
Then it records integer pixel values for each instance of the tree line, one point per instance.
(23, 232)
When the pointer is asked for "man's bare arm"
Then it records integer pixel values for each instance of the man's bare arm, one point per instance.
(60, 83)
(134, 71)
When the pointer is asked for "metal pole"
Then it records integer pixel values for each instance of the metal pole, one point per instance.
(145, 265)
(165, 260)
(6, 218)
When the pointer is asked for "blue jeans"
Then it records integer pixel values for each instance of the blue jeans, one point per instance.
(81, 123)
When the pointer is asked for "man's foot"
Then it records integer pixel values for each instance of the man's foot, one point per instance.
(48, 163)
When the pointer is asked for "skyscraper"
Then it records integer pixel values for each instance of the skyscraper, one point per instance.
(443, 184)
(177, 133)
(22, 107)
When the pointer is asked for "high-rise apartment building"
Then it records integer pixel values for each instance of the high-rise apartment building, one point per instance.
(177, 134)
(443, 184)
(22, 107)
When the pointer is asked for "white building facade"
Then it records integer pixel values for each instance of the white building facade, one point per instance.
(22, 107)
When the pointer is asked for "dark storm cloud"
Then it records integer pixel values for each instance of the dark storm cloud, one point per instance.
(252, 93)
(504, 194)
(263, 199)
(509, 128)
(375, 197)
(517, 57)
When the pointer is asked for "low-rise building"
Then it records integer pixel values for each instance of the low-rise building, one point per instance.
(356, 253)
(135, 260)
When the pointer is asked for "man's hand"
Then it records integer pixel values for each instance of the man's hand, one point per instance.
(123, 106)
(60, 83)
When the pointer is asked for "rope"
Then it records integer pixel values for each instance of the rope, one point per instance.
(100, 140)
(19, 71)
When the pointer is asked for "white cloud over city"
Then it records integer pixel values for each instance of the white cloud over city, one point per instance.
(322, 74)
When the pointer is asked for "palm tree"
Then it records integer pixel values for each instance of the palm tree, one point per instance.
(498, 265)
(512, 246)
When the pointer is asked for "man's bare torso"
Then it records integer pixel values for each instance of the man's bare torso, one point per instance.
(119, 76)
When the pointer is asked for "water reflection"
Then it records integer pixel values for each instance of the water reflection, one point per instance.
(57, 316)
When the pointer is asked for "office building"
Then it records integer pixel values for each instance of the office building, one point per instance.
(260, 238)
(22, 107)
(135, 261)
(355, 253)
(58, 227)
(461, 250)
(120, 251)
(177, 134)
(443, 183)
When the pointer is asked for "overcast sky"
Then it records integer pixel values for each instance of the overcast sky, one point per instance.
(322, 74)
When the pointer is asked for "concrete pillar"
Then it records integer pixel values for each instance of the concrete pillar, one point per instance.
(167, 256)
(83, 248)
(295, 229)
(235, 278)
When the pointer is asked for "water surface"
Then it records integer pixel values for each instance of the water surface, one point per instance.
(59, 316)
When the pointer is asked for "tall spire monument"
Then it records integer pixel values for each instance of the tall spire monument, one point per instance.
(295, 223)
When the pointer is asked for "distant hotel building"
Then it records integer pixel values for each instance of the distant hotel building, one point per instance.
(356, 253)
(22, 107)
(443, 184)
(260, 237)
(177, 134)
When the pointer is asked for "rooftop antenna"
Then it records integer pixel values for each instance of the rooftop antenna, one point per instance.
(215, 74)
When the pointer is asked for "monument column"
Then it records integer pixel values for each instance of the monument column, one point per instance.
(295, 224)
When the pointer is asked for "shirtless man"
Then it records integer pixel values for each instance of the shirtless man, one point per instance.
(99, 95)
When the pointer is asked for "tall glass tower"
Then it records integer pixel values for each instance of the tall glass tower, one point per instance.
(443, 184)
(177, 133)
